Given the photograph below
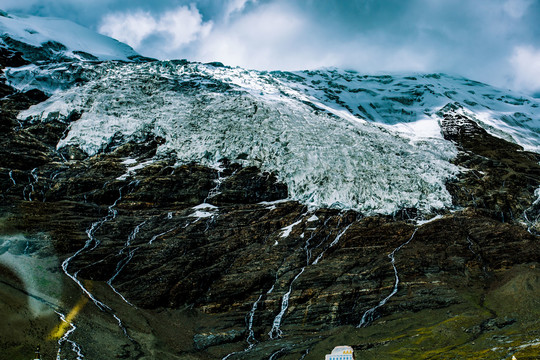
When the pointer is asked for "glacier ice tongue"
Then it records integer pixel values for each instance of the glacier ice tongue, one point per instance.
(206, 114)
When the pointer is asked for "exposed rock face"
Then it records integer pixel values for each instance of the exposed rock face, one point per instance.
(502, 177)
(225, 249)
(51, 51)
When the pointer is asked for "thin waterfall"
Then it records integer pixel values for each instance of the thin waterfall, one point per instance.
(369, 315)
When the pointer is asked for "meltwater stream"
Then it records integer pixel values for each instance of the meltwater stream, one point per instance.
(92, 240)
(251, 341)
(332, 244)
(369, 315)
(90, 232)
(65, 338)
(32, 181)
(125, 260)
(11, 177)
(276, 331)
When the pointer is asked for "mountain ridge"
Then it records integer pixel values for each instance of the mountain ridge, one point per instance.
(49, 40)
(140, 194)
(277, 122)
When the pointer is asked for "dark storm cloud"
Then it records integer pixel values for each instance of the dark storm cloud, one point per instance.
(489, 40)
(495, 41)
(90, 13)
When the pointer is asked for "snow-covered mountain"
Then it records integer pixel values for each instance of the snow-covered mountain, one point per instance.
(172, 209)
(326, 133)
(336, 138)
(42, 39)
(410, 102)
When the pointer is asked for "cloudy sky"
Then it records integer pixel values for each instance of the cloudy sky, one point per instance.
(494, 41)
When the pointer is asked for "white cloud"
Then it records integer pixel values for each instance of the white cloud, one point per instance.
(516, 8)
(468, 38)
(525, 62)
(129, 28)
(174, 29)
(235, 6)
(277, 36)
(267, 38)
(184, 25)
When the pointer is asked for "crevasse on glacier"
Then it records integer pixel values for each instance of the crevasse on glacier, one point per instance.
(300, 126)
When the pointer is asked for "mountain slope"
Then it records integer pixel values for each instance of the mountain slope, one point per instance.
(195, 211)
(278, 124)
(408, 102)
(43, 39)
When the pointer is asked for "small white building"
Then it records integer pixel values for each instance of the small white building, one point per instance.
(341, 353)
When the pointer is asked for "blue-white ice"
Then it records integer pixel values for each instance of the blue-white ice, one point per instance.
(306, 127)
(409, 102)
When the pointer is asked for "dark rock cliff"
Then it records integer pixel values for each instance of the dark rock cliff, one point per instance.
(207, 256)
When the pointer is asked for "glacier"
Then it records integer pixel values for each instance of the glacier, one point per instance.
(336, 138)
(409, 103)
(64, 37)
